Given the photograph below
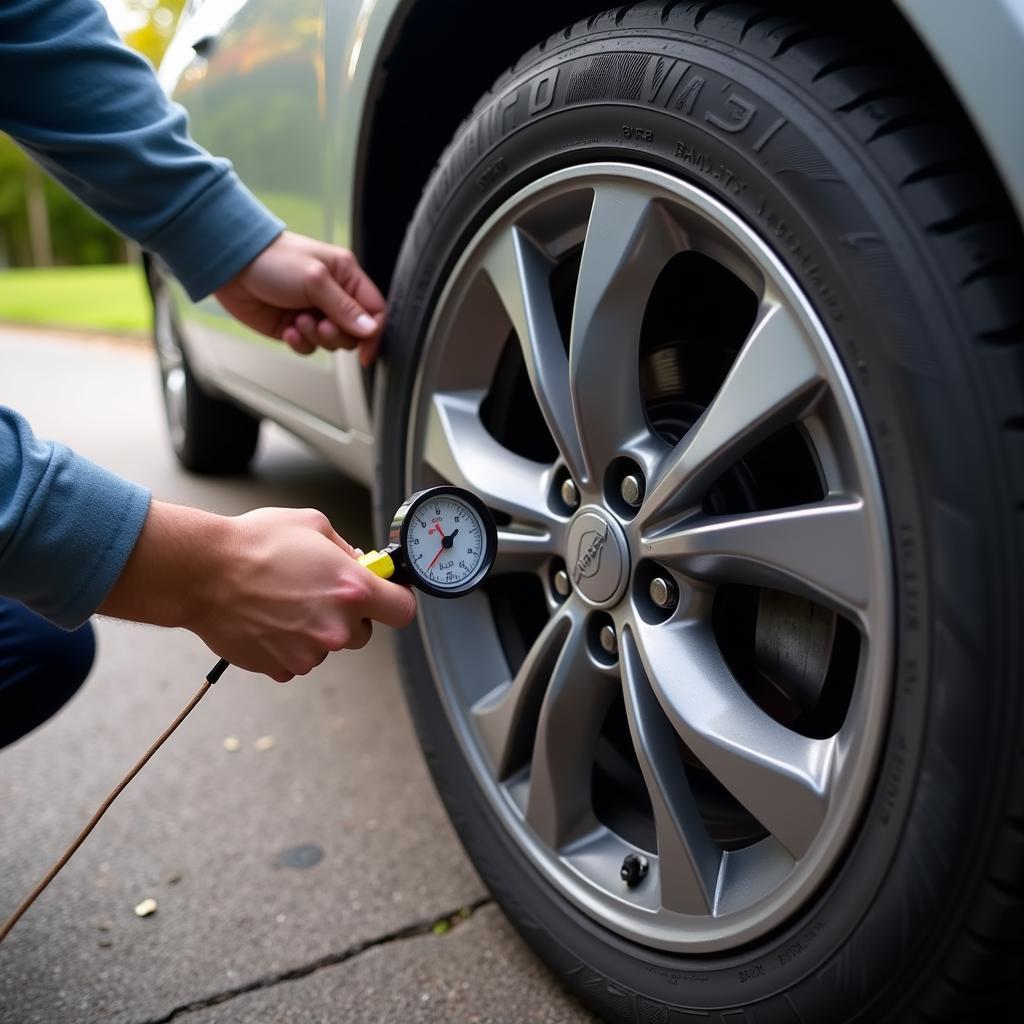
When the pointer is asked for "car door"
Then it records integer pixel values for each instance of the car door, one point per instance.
(254, 89)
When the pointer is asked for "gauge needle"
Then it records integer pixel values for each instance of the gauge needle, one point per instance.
(440, 551)
(450, 539)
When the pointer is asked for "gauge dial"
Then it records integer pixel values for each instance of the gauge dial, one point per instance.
(446, 542)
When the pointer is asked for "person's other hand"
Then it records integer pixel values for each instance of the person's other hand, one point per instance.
(308, 294)
(272, 591)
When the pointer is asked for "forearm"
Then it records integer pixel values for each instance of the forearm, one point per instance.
(67, 526)
(176, 569)
(272, 591)
(92, 112)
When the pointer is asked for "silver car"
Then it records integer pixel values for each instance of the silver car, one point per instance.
(735, 288)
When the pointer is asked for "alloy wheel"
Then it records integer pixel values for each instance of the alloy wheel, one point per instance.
(674, 690)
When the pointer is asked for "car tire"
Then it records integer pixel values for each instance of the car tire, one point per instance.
(210, 436)
(873, 195)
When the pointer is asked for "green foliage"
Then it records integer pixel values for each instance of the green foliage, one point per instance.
(158, 18)
(77, 236)
(94, 298)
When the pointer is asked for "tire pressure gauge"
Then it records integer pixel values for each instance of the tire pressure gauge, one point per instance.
(442, 541)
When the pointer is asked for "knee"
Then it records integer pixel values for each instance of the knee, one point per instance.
(71, 657)
(57, 659)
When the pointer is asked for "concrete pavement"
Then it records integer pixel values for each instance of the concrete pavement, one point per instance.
(297, 882)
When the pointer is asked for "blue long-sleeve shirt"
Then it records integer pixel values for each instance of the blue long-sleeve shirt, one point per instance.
(92, 113)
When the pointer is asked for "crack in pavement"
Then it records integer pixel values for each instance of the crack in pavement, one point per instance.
(424, 926)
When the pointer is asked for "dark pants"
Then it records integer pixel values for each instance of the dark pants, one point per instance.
(41, 667)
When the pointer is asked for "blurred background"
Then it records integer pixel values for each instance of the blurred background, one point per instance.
(59, 264)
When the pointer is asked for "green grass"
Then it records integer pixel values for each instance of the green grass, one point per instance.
(92, 298)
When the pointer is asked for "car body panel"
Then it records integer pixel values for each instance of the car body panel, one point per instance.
(257, 94)
(978, 47)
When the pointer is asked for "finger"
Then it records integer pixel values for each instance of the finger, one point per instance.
(330, 336)
(351, 276)
(323, 525)
(368, 352)
(300, 345)
(389, 603)
(370, 349)
(348, 272)
(314, 519)
(303, 662)
(307, 326)
(324, 292)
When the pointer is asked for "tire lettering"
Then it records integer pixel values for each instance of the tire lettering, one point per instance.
(800, 944)
(505, 116)
(701, 162)
(688, 95)
(893, 782)
(661, 76)
(542, 91)
(806, 265)
(741, 114)
(640, 134)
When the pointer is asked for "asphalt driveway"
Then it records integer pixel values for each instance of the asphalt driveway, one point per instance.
(308, 873)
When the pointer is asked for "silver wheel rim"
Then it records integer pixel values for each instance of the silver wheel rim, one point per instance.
(172, 367)
(807, 792)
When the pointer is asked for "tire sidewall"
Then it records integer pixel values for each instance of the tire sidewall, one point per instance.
(811, 194)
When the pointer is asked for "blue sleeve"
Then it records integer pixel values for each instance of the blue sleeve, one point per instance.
(93, 114)
(67, 526)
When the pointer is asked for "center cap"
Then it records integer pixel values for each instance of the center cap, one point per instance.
(597, 557)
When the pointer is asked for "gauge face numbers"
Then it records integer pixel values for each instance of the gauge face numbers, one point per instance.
(445, 542)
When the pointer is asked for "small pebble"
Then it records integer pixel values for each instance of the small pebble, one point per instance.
(305, 855)
(232, 743)
(146, 907)
(174, 878)
(103, 926)
(105, 943)
(265, 743)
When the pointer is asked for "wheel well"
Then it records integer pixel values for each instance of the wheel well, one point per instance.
(443, 57)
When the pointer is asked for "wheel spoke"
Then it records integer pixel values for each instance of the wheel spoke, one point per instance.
(688, 861)
(629, 240)
(558, 806)
(818, 551)
(524, 551)
(520, 273)
(459, 447)
(780, 777)
(501, 715)
(773, 381)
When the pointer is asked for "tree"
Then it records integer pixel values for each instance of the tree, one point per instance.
(40, 223)
(157, 19)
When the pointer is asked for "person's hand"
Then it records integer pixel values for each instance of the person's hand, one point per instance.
(272, 591)
(308, 294)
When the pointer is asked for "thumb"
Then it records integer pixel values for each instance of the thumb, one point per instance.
(337, 305)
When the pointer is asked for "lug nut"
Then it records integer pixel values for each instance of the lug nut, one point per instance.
(663, 592)
(562, 584)
(630, 490)
(609, 641)
(634, 869)
(570, 495)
